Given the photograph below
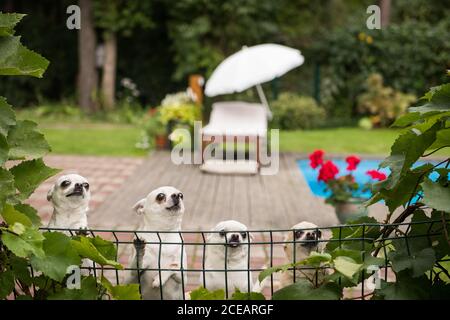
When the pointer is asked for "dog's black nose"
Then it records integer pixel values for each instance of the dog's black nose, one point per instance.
(310, 236)
(78, 186)
(234, 238)
(176, 198)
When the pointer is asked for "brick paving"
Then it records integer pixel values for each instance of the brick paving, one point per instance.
(117, 179)
(105, 175)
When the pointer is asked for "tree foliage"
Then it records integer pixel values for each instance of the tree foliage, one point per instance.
(23, 247)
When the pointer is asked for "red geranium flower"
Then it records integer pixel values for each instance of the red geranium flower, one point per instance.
(316, 158)
(352, 162)
(376, 175)
(328, 171)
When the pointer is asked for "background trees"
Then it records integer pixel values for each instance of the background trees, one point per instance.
(159, 43)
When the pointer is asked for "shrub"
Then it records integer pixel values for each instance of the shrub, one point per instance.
(384, 103)
(410, 56)
(291, 111)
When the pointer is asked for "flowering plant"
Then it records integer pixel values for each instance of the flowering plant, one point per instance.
(344, 187)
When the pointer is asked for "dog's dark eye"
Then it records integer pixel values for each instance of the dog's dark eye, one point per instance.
(86, 186)
(298, 234)
(65, 183)
(244, 235)
(180, 195)
(222, 233)
(160, 197)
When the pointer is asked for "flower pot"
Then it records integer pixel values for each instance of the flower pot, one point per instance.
(161, 142)
(350, 210)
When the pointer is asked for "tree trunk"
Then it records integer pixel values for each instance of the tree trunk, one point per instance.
(385, 7)
(109, 71)
(87, 73)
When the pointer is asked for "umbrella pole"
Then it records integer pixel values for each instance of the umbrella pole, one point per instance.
(263, 99)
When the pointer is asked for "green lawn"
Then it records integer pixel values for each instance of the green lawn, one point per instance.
(104, 140)
(120, 140)
(339, 140)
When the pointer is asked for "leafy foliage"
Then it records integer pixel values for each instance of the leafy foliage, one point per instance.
(354, 249)
(22, 244)
(291, 111)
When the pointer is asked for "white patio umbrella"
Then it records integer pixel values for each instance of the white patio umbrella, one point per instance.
(252, 66)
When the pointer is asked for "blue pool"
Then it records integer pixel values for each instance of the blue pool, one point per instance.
(318, 188)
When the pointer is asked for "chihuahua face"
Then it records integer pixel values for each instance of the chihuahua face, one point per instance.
(164, 201)
(231, 233)
(70, 191)
(306, 236)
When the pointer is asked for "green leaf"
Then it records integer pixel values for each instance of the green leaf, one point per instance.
(59, 255)
(26, 244)
(7, 117)
(343, 236)
(105, 247)
(26, 142)
(406, 150)
(16, 60)
(7, 188)
(11, 216)
(406, 120)
(400, 193)
(30, 174)
(30, 212)
(7, 23)
(439, 99)
(4, 150)
(406, 288)
(419, 263)
(6, 283)
(122, 292)
(88, 291)
(204, 294)
(304, 290)
(20, 269)
(347, 266)
(436, 196)
(87, 249)
(238, 295)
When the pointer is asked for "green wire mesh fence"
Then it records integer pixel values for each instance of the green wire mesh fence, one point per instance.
(260, 250)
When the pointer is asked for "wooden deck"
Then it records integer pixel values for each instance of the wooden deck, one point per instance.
(277, 201)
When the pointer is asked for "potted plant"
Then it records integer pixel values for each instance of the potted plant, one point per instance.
(344, 190)
(156, 130)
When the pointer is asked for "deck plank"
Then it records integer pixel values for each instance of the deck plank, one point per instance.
(274, 201)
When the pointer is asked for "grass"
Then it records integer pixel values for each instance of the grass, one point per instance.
(85, 137)
(339, 140)
(99, 140)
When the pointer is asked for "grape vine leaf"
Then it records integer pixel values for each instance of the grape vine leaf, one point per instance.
(238, 295)
(122, 292)
(16, 60)
(28, 175)
(436, 196)
(418, 263)
(7, 23)
(204, 294)
(7, 188)
(26, 244)
(59, 255)
(11, 216)
(88, 291)
(26, 142)
(87, 249)
(6, 283)
(304, 290)
(406, 288)
(30, 212)
(7, 117)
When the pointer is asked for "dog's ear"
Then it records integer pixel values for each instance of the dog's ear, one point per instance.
(139, 206)
(251, 237)
(50, 193)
